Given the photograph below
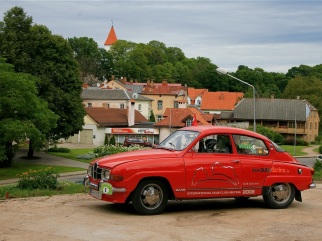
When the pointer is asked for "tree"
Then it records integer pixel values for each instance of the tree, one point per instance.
(309, 88)
(152, 117)
(23, 113)
(52, 62)
(14, 38)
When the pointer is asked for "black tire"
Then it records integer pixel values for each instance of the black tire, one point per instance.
(281, 195)
(150, 197)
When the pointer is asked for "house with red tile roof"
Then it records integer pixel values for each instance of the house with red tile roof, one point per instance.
(120, 123)
(215, 102)
(176, 118)
(194, 96)
(165, 96)
(111, 39)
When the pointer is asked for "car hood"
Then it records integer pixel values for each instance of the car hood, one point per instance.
(131, 156)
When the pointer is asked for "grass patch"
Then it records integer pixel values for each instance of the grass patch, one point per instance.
(298, 150)
(317, 176)
(12, 191)
(74, 153)
(18, 168)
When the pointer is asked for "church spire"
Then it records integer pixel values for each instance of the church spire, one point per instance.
(111, 38)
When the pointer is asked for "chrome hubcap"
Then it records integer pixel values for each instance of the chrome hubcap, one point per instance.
(151, 196)
(281, 192)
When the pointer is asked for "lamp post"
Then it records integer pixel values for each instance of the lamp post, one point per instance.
(225, 72)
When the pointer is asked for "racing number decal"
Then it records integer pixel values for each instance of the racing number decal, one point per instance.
(106, 188)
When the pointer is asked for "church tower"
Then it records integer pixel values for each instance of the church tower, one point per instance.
(111, 39)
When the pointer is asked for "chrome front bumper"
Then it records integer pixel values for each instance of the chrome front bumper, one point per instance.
(312, 185)
(89, 184)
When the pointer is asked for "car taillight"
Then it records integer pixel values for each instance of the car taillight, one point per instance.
(312, 171)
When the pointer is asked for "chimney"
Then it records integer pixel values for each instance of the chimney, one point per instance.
(131, 113)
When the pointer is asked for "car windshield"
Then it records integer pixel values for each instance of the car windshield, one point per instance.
(178, 140)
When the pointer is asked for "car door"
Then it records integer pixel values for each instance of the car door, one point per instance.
(255, 160)
(213, 170)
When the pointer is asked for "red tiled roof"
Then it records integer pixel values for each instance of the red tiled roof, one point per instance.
(220, 100)
(194, 93)
(111, 38)
(112, 116)
(179, 116)
(161, 89)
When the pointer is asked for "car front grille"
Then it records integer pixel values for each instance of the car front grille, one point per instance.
(96, 172)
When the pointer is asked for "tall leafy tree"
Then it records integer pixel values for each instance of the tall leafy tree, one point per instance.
(14, 38)
(51, 59)
(309, 88)
(22, 113)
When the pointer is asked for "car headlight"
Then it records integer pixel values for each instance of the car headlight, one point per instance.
(90, 170)
(105, 174)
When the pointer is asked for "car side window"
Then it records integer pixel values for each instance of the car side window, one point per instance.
(250, 145)
(214, 144)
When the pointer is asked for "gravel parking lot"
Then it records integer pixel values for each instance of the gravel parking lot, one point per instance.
(80, 217)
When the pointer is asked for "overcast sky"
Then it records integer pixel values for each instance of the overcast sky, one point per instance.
(274, 35)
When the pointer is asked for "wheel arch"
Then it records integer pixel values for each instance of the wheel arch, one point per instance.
(164, 180)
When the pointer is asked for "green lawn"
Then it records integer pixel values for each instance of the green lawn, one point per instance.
(298, 150)
(74, 153)
(19, 168)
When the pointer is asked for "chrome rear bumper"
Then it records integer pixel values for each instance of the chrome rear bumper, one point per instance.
(312, 185)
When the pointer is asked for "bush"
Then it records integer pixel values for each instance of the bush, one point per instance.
(106, 141)
(59, 149)
(320, 149)
(111, 149)
(299, 142)
(41, 179)
(274, 136)
(318, 166)
(112, 140)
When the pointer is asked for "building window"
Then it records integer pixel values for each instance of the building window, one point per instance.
(121, 106)
(175, 104)
(139, 107)
(159, 117)
(291, 125)
(189, 122)
(160, 103)
(89, 104)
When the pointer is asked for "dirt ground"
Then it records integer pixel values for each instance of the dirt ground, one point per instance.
(81, 217)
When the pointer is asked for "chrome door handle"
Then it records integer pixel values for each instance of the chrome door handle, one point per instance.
(235, 161)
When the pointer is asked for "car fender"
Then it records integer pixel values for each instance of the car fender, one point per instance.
(170, 169)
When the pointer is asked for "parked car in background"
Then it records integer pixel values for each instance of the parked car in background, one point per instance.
(319, 158)
(136, 141)
(200, 162)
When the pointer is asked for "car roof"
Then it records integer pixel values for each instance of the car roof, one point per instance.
(207, 129)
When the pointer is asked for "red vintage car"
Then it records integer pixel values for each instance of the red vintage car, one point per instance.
(200, 162)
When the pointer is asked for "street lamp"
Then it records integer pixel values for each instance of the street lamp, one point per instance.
(225, 72)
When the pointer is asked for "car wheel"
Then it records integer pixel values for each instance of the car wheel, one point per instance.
(281, 195)
(150, 197)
